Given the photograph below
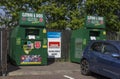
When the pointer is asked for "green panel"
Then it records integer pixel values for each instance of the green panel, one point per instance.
(78, 49)
(32, 20)
(72, 49)
(31, 51)
(95, 22)
(77, 45)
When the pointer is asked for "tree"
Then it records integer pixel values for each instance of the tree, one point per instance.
(63, 14)
(110, 9)
(60, 14)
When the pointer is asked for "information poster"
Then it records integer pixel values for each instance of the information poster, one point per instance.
(31, 59)
(54, 44)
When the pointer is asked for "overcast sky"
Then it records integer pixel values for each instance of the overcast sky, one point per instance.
(2, 12)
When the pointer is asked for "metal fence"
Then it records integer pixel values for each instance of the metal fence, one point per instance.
(3, 51)
(113, 36)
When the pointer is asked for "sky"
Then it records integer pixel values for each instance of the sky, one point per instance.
(2, 12)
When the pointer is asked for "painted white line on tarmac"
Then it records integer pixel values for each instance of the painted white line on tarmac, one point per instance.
(68, 77)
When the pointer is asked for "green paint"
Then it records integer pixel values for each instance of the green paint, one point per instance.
(18, 41)
(95, 22)
(84, 41)
(32, 19)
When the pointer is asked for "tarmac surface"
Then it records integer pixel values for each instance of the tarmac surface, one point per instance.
(54, 68)
(57, 70)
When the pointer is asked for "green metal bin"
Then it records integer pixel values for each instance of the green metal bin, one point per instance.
(28, 41)
(81, 37)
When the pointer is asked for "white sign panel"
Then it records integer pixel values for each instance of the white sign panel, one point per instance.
(93, 38)
(54, 44)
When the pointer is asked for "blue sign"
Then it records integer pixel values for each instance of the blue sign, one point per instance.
(54, 34)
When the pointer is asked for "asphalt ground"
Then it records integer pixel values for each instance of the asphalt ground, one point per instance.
(57, 70)
(54, 68)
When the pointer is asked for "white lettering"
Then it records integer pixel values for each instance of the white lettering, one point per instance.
(39, 15)
(100, 18)
(27, 15)
(32, 15)
(94, 18)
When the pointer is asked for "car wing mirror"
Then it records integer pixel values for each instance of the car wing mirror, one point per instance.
(115, 55)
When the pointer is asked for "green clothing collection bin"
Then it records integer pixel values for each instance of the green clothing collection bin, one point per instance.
(94, 29)
(28, 41)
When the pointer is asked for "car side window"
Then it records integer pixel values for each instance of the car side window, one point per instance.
(109, 49)
(97, 47)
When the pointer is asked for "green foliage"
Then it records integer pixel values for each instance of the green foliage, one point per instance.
(110, 9)
(60, 14)
(63, 14)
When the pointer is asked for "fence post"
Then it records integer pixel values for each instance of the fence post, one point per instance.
(3, 52)
(118, 35)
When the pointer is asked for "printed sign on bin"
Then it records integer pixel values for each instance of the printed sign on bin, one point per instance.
(37, 44)
(54, 44)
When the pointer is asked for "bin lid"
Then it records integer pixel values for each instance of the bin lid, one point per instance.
(95, 22)
(32, 19)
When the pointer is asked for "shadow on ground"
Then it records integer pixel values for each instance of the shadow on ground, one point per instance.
(12, 68)
(51, 61)
(97, 76)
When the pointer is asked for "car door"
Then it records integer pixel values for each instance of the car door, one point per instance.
(116, 67)
(95, 55)
(110, 65)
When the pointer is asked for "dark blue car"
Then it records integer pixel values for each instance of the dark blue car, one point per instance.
(102, 57)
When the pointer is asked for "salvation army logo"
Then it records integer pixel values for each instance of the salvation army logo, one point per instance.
(37, 44)
(41, 20)
(23, 18)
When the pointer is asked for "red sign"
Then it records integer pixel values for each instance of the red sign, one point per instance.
(54, 44)
(41, 20)
(37, 44)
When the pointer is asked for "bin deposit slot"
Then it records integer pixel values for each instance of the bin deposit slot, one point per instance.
(31, 33)
(94, 34)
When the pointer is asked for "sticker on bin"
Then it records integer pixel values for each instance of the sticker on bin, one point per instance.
(31, 59)
(37, 44)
